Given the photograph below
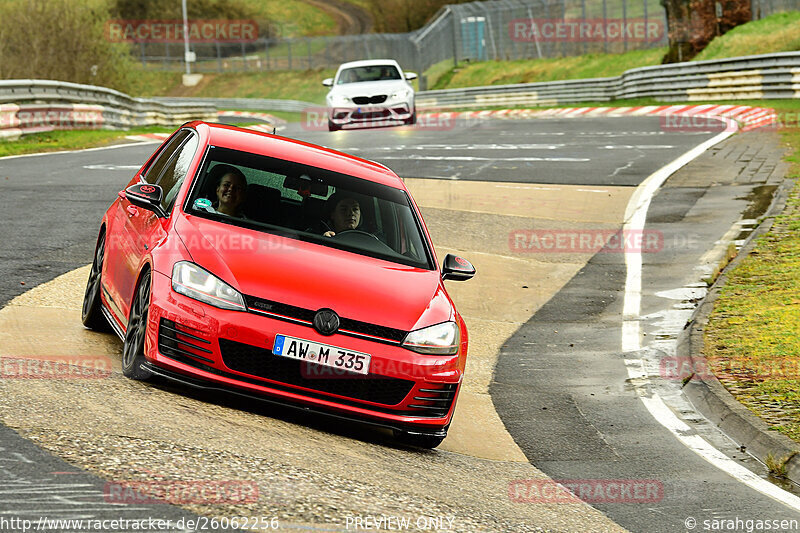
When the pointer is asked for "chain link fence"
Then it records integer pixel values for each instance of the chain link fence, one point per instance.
(491, 30)
(765, 8)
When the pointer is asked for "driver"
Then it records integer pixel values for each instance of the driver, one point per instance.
(344, 213)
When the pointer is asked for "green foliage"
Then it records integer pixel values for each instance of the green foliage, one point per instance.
(196, 9)
(71, 140)
(400, 16)
(776, 33)
(547, 69)
(61, 40)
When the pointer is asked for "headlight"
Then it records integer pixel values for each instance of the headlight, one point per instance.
(192, 281)
(339, 99)
(401, 94)
(440, 339)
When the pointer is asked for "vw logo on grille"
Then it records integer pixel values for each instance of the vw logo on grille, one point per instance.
(326, 321)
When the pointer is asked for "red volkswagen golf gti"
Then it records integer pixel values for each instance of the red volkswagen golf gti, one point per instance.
(284, 271)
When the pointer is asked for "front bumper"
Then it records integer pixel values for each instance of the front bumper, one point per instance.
(374, 115)
(207, 347)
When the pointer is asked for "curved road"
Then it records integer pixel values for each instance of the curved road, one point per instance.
(561, 386)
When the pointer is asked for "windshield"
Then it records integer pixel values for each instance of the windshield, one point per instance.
(310, 204)
(368, 73)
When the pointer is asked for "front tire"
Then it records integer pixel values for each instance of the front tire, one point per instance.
(333, 127)
(133, 347)
(91, 312)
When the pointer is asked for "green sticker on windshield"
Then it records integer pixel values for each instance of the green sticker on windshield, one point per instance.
(202, 203)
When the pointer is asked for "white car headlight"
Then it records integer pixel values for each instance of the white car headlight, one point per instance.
(192, 281)
(401, 94)
(439, 339)
(338, 99)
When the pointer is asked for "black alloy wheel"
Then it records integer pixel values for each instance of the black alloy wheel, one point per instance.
(133, 347)
(91, 312)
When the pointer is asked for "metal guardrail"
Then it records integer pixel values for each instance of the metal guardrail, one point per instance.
(31, 106)
(243, 104)
(749, 77)
(28, 106)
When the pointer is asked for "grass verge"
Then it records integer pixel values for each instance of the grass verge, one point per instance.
(305, 85)
(753, 336)
(71, 140)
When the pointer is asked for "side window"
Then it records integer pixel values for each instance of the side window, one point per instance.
(158, 164)
(175, 171)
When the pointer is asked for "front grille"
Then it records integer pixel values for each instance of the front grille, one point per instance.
(435, 399)
(262, 363)
(347, 326)
(364, 100)
(383, 113)
(179, 341)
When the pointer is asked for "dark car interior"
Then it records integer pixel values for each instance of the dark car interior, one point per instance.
(294, 197)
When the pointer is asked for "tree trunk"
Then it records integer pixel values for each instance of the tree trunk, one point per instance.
(692, 24)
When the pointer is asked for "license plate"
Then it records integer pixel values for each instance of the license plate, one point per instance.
(321, 354)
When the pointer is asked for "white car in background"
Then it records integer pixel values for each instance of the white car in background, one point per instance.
(373, 92)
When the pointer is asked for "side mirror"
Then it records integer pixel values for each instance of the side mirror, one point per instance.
(411, 75)
(147, 197)
(457, 268)
(327, 82)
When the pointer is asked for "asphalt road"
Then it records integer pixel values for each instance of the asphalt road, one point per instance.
(561, 386)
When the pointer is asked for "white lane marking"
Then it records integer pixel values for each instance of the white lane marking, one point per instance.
(112, 167)
(528, 187)
(699, 445)
(635, 218)
(476, 158)
(637, 147)
(126, 145)
(592, 190)
(402, 147)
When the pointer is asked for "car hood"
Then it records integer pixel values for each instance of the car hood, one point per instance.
(369, 88)
(313, 276)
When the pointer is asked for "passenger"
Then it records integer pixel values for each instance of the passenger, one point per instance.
(231, 190)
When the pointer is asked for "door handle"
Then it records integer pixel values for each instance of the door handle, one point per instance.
(132, 211)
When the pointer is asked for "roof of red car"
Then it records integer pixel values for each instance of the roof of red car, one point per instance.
(300, 151)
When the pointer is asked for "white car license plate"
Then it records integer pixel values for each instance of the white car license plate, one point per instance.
(321, 354)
